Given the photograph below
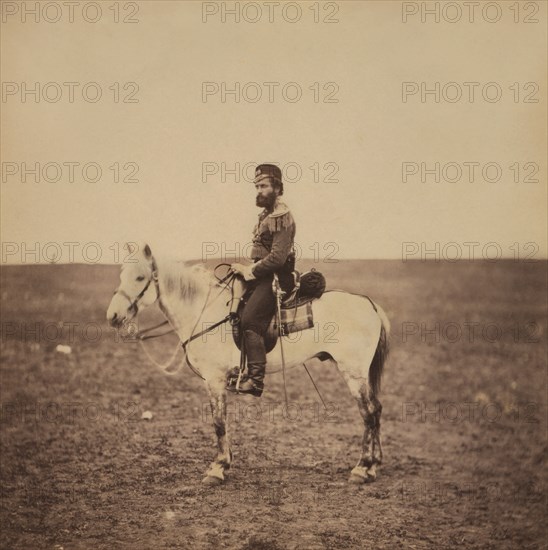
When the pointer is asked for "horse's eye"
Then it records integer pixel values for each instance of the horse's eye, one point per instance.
(141, 278)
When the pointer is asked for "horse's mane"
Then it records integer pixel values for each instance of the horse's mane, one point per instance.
(184, 280)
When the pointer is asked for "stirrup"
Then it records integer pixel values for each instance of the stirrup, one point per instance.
(232, 378)
(254, 390)
(232, 383)
(232, 375)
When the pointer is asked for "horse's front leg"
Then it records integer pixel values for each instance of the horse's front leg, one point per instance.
(217, 399)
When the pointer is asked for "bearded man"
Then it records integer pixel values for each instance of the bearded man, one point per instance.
(272, 253)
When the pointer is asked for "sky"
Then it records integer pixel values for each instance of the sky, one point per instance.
(354, 145)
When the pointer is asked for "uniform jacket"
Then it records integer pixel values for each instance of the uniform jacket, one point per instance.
(273, 239)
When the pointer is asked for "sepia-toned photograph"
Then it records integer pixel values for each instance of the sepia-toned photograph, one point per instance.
(274, 274)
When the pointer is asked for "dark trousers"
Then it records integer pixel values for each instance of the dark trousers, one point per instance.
(260, 306)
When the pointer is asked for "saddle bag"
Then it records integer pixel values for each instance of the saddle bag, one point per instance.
(312, 284)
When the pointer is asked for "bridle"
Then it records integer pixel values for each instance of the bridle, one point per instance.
(134, 303)
(142, 335)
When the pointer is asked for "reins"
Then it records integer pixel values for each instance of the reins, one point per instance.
(139, 335)
(143, 335)
(224, 282)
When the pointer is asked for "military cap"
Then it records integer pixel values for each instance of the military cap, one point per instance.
(271, 171)
(267, 171)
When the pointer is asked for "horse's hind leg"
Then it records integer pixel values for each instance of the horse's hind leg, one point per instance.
(377, 447)
(370, 409)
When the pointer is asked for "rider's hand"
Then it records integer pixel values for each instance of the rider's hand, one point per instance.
(243, 270)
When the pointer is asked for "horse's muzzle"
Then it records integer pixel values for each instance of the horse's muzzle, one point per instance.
(116, 321)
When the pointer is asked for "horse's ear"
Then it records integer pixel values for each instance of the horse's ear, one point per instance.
(147, 252)
(131, 247)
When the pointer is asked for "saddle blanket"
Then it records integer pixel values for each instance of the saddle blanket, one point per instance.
(294, 319)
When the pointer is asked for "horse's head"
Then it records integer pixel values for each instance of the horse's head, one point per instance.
(138, 287)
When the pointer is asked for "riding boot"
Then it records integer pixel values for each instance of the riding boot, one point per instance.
(256, 364)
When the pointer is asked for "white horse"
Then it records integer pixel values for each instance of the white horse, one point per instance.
(187, 297)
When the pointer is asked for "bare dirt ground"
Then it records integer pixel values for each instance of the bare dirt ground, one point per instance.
(464, 424)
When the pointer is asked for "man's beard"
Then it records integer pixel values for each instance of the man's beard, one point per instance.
(266, 202)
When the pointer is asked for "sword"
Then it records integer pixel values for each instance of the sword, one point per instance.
(279, 295)
(243, 359)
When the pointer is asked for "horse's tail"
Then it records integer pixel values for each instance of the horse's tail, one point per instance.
(381, 353)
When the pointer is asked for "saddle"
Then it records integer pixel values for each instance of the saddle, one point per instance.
(296, 309)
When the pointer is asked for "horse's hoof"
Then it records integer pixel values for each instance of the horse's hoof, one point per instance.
(215, 475)
(371, 476)
(360, 474)
(211, 481)
(356, 479)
